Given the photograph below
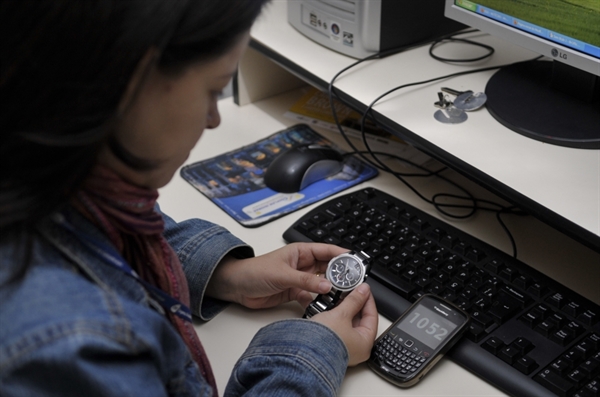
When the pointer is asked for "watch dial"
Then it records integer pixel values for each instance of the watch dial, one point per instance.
(345, 272)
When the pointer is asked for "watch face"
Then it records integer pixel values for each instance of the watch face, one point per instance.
(345, 272)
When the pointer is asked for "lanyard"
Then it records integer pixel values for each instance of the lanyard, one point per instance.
(110, 256)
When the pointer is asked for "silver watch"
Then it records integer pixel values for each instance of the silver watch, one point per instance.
(345, 272)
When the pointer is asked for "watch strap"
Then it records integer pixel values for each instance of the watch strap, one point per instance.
(363, 256)
(322, 303)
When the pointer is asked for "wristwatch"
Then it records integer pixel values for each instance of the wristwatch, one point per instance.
(346, 272)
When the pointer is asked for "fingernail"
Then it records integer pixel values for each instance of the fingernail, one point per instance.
(363, 289)
(324, 286)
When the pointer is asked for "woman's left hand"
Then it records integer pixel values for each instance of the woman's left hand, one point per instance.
(280, 276)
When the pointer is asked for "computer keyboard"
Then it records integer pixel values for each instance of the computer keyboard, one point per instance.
(529, 335)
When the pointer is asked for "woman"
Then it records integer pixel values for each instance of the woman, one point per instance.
(102, 102)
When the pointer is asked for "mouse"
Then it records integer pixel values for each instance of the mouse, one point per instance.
(295, 169)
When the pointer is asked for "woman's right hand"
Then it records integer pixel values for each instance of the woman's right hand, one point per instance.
(355, 321)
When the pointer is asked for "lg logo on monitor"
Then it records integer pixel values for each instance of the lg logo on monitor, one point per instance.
(558, 54)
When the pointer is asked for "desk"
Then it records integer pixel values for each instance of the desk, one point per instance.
(559, 185)
(226, 337)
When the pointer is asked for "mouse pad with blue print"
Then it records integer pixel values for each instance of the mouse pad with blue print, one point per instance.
(234, 180)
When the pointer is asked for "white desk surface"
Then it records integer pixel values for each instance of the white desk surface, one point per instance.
(226, 337)
(565, 181)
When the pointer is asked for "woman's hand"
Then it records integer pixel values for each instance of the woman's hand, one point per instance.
(280, 276)
(355, 321)
(290, 273)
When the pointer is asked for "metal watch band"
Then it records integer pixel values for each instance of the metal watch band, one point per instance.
(327, 301)
(363, 257)
(322, 303)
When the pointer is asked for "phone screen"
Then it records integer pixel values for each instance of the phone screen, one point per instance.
(427, 326)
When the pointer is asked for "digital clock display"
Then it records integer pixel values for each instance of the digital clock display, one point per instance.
(427, 326)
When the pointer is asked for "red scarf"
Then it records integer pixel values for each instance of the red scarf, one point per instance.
(126, 214)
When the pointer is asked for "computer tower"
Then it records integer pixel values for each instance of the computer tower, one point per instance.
(360, 28)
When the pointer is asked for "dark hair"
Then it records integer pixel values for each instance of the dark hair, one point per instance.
(64, 68)
(65, 65)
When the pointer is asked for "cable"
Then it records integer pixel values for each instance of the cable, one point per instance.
(512, 240)
(475, 203)
(454, 39)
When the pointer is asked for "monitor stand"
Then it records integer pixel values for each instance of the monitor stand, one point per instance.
(547, 101)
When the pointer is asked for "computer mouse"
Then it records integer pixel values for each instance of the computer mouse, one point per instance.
(301, 166)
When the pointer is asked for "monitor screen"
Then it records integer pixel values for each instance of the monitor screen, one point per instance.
(567, 32)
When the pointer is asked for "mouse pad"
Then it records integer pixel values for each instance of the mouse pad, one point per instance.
(234, 180)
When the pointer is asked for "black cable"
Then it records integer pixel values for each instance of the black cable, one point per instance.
(476, 204)
(452, 40)
(512, 240)
(400, 176)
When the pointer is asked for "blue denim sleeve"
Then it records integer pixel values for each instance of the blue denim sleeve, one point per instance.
(200, 246)
(87, 363)
(290, 358)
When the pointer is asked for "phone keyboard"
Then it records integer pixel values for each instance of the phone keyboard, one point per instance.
(397, 356)
(529, 335)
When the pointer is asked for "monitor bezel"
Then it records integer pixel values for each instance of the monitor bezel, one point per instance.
(524, 39)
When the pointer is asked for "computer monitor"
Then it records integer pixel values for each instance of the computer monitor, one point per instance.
(556, 101)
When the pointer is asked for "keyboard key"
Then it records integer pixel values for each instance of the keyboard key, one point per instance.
(556, 300)
(305, 225)
(523, 345)
(589, 317)
(420, 224)
(586, 348)
(494, 266)
(481, 318)
(561, 337)
(591, 389)
(555, 383)
(546, 328)
(594, 339)
(448, 241)
(461, 247)
(475, 255)
(331, 240)
(436, 233)
(422, 281)
(522, 282)
(533, 317)
(318, 234)
(537, 289)
(493, 345)
(504, 306)
(508, 273)
(406, 217)
(509, 354)
(559, 319)
(573, 357)
(399, 285)
(410, 274)
(577, 377)
(475, 332)
(320, 218)
(572, 308)
(590, 367)
(526, 365)
(519, 296)
(561, 367)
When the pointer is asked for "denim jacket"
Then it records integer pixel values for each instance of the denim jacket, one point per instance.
(73, 325)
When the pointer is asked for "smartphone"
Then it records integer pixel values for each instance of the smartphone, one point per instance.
(413, 344)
